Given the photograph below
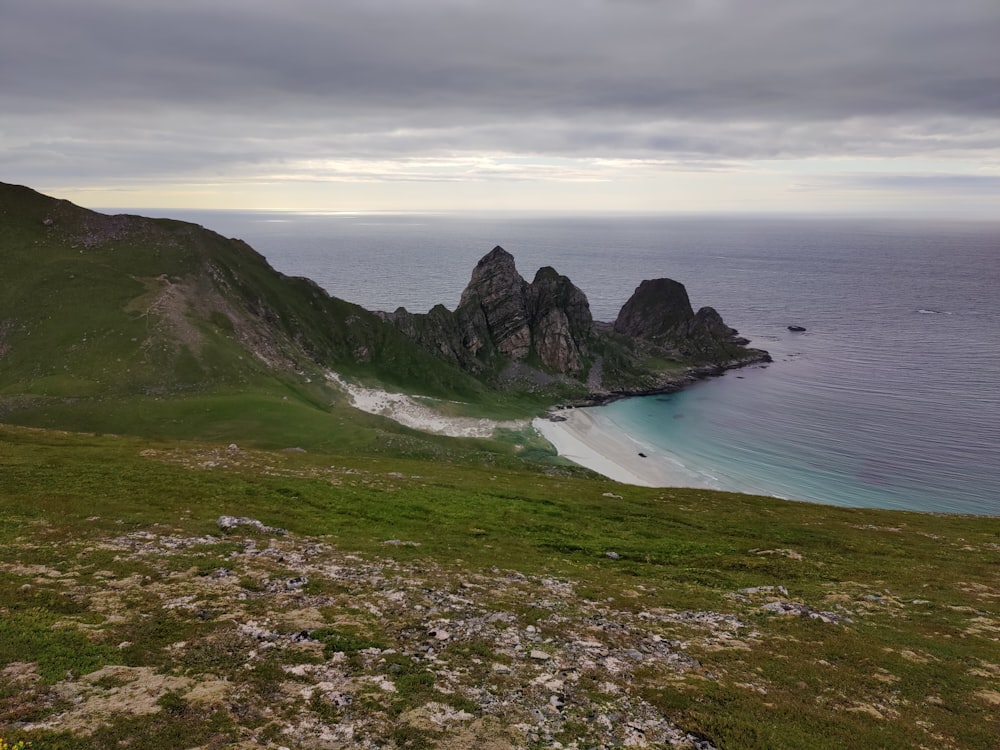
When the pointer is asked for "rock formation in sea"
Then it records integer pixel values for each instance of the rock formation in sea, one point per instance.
(510, 331)
(659, 311)
(501, 319)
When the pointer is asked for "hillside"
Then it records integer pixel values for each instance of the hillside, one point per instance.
(137, 305)
(128, 312)
(203, 545)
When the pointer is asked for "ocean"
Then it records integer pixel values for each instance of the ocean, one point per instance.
(890, 398)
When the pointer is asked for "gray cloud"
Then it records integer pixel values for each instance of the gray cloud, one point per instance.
(114, 88)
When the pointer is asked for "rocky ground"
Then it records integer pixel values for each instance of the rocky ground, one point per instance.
(305, 646)
(309, 647)
(241, 634)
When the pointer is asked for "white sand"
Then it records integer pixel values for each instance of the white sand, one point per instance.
(419, 416)
(583, 440)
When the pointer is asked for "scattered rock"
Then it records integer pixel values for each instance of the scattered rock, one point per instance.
(990, 697)
(764, 590)
(789, 553)
(801, 610)
(228, 523)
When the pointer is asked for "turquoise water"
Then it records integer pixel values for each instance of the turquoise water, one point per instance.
(891, 398)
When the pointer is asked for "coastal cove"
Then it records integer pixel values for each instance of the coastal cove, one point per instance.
(888, 399)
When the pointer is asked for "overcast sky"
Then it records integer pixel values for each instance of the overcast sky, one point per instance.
(644, 105)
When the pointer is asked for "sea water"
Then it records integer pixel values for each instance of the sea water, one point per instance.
(890, 398)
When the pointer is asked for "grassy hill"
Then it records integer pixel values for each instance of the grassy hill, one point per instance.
(398, 589)
(166, 329)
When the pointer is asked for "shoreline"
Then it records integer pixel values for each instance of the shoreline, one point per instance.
(670, 384)
(611, 451)
(580, 437)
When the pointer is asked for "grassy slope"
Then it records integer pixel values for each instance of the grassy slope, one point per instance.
(915, 667)
(92, 339)
(97, 307)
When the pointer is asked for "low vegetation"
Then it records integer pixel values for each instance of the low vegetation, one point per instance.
(401, 602)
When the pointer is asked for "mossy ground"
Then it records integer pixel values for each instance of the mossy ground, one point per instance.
(110, 588)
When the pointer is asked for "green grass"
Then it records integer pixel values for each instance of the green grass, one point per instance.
(678, 549)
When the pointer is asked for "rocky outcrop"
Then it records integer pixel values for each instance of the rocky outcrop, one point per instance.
(660, 312)
(503, 319)
(562, 325)
(542, 334)
(499, 294)
(655, 310)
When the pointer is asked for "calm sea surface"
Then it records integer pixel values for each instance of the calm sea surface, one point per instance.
(891, 398)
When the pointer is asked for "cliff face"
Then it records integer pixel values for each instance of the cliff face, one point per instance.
(660, 312)
(503, 324)
(562, 324)
(498, 296)
(501, 318)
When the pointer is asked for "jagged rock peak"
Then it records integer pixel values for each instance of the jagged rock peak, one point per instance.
(655, 309)
(659, 311)
(499, 292)
(561, 322)
(503, 324)
(495, 271)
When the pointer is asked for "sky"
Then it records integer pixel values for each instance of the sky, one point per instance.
(806, 106)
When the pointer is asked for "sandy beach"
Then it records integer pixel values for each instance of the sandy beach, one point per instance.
(581, 438)
(417, 415)
(584, 440)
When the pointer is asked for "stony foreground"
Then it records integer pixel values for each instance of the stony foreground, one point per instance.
(280, 640)
(308, 647)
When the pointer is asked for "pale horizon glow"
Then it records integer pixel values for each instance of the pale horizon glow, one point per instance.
(618, 106)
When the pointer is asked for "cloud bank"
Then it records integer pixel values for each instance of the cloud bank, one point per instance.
(116, 93)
